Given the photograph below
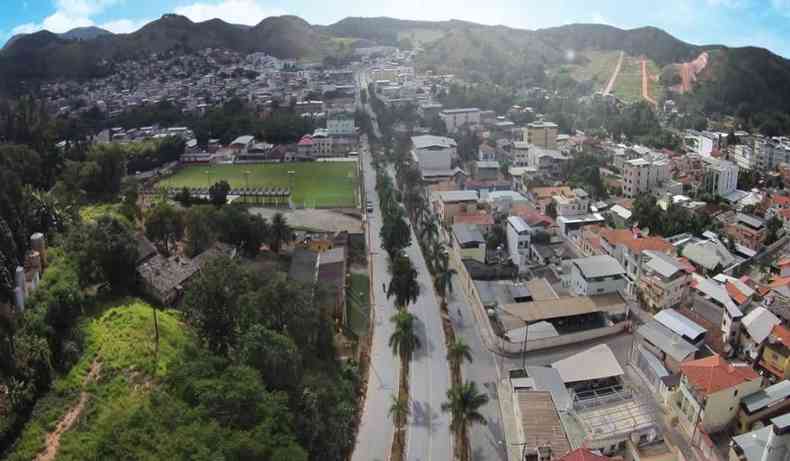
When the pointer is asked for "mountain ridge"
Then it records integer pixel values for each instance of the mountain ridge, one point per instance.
(500, 53)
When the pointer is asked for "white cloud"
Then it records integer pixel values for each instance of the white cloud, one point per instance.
(70, 14)
(124, 26)
(249, 12)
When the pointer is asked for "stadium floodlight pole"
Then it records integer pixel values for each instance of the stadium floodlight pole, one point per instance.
(247, 174)
(208, 178)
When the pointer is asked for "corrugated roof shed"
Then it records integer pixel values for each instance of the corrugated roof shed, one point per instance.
(681, 325)
(598, 266)
(540, 422)
(767, 397)
(667, 341)
(597, 362)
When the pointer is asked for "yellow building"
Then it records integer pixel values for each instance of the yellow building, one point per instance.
(542, 134)
(775, 357)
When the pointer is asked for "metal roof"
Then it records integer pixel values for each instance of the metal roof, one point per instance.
(752, 221)
(661, 263)
(759, 323)
(457, 195)
(428, 140)
(680, 324)
(666, 340)
(539, 330)
(552, 308)
(597, 362)
(548, 379)
(518, 224)
(718, 292)
(753, 443)
(767, 397)
(468, 233)
(598, 266)
(781, 422)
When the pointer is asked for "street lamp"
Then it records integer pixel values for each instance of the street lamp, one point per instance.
(291, 174)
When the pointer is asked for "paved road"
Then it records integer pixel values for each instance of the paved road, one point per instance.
(488, 442)
(374, 439)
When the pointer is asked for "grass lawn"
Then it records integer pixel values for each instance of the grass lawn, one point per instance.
(359, 303)
(599, 68)
(628, 86)
(316, 184)
(122, 340)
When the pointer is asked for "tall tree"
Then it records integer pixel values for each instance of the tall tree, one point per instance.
(218, 193)
(200, 229)
(404, 340)
(403, 285)
(399, 413)
(211, 304)
(457, 352)
(164, 224)
(464, 402)
(105, 251)
(444, 280)
(280, 232)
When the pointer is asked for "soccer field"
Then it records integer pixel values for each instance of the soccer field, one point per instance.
(316, 184)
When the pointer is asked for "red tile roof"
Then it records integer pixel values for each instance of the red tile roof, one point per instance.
(780, 200)
(583, 454)
(735, 293)
(712, 374)
(781, 333)
(637, 245)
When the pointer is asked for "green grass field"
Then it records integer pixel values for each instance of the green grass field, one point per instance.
(316, 184)
(599, 68)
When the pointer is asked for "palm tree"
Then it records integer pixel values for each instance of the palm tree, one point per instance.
(399, 412)
(404, 340)
(430, 231)
(463, 403)
(281, 232)
(457, 352)
(403, 285)
(444, 283)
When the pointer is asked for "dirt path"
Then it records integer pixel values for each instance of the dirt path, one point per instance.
(646, 85)
(616, 72)
(68, 420)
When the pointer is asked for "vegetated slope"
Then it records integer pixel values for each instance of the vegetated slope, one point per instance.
(44, 55)
(385, 31)
(122, 341)
(85, 33)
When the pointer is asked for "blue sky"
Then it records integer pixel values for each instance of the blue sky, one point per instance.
(764, 23)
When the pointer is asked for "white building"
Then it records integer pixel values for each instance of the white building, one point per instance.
(520, 154)
(458, 118)
(642, 176)
(433, 152)
(341, 125)
(594, 275)
(721, 177)
(700, 143)
(518, 239)
(665, 281)
(575, 203)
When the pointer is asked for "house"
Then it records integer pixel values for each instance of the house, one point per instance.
(242, 143)
(486, 170)
(709, 256)
(341, 125)
(760, 407)
(710, 393)
(519, 235)
(542, 134)
(713, 298)
(593, 275)
(749, 231)
(519, 156)
(574, 204)
(775, 356)
(520, 175)
(483, 221)
(454, 119)
(572, 225)
(669, 347)
(471, 242)
(448, 204)
(665, 281)
(627, 246)
(682, 326)
(548, 162)
(332, 276)
(769, 443)
(433, 152)
(757, 325)
(164, 279)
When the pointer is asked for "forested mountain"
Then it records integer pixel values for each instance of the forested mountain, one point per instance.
(747, 79)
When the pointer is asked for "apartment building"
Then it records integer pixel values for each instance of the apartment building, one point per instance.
(665, 281)
(458, 118)
(542, 134)
(627, 247)
(721, 177)
(593, 275)
(519, 235)
(642, 176)
(573, 203)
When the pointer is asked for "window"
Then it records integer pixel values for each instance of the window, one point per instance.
(735, 394)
